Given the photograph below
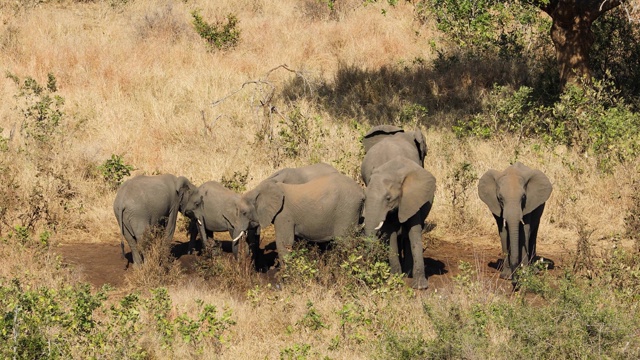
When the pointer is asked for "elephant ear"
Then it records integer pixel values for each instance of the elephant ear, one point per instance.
(421, 144)
(418, 188)
(268, 202)
(377, 133)
(538, 189)
(488, 191)
(184, 189)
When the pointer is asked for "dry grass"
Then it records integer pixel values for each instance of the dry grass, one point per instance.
(140, 83)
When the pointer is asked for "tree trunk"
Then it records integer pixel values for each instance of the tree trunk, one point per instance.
(573, 41)
(572, 36)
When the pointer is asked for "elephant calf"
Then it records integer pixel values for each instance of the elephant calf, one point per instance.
(143, 202)
(319, 210)
(516, 197)
(215, 208)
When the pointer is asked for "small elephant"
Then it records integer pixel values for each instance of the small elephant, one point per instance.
(302, 174)
(318, 210)
(215, 208)
(143, 202)
(385, 142)
(516, 197)
(398, 199)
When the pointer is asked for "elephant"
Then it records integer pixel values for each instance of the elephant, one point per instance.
(516, 197)
(143, 202)
(398, 199)
(319, 210)
(211, 208)
(384, 142)
(302, 174)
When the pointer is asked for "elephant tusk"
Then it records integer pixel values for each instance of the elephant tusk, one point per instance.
(239, 236)
(379, 225)
(199, 222)
(521, 221)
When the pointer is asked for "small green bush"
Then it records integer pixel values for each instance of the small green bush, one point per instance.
(114, 170)
(236, 182)
(219, 35)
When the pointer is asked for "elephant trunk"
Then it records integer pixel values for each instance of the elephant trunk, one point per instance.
(203, 232)
(238, 235)
(513, 219)
(372, 220)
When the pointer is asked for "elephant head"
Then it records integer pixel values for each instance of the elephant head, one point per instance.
(266, 201)
(397, 191)
(184, 190)
(511, 195)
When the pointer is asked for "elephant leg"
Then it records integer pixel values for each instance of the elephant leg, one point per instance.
(525, 250)
(505, 273)
(534, 219)
(394, 255)
(419, 276)
(284, 238)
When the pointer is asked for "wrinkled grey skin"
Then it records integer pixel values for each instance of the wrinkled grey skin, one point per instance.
(318, 210)
(143, 202)
(385, 142)
(516, 197)
(214, 208)
(302, 174)
(398, 199)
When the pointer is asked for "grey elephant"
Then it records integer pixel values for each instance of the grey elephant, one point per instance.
(384, 142)
(516, 197)
(399, 197)
(144, 202)
(302, 174)
(319, 210)
(214, 208)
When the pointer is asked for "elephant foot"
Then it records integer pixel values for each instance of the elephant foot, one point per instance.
(505, 273)
(420, 283)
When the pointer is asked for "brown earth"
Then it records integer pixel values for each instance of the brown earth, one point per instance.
(102, 263)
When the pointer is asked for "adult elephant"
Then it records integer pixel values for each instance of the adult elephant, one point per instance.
(318, 210)
(302, 174)
(385, 142)
(516, 197)
(214, 208)
(144, 202)
(399, 197)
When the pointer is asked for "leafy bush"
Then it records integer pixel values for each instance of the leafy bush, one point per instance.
(237, 182)
(219, 35)
(114, 170)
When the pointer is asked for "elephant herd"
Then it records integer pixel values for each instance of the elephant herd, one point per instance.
(318, 203)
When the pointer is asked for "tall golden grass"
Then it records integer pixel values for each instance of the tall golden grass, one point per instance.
(139, 82)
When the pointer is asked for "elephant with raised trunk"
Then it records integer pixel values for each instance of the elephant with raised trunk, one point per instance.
(385, 142)
(214, 208)
(399, 197)
(144, 202)
(516, 197)
(319, 210)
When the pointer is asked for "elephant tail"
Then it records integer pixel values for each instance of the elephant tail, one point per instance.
(122, 233)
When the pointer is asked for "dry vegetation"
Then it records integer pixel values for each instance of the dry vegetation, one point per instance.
(139, 82)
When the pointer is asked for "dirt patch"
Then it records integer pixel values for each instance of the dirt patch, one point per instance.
(102, 263)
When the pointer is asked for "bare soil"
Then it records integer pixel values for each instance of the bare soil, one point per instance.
(102, 263)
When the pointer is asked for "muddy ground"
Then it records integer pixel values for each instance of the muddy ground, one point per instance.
(102, 263)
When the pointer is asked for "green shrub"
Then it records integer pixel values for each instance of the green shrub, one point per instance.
(114, 170)
(237, 182)
(219, 35)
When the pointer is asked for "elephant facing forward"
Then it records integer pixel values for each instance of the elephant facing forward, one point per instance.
(213, 208)
(516, 197)
(399, 197)
(143, 202)
(319, 210)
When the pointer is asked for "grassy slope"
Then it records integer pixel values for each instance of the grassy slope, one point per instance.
(139, 82)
